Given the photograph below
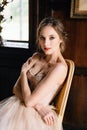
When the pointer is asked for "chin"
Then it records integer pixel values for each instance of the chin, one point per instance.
(47, 53)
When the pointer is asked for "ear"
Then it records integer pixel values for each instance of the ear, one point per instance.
(60, 42)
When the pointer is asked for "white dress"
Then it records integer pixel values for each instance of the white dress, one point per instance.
(15, 116)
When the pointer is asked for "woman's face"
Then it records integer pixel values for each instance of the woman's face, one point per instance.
(49, 40)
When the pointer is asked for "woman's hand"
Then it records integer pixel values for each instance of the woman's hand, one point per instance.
(25, 67)
(46, 113)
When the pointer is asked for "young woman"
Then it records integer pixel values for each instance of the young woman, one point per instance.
(41, 77)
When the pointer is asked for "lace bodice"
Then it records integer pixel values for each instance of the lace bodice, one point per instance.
(36, 78)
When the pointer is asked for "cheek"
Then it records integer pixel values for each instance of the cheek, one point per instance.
(57, 42)
(56, 45)
(41, 45)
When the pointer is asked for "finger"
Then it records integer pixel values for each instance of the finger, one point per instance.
(50, 118)
(46, 120)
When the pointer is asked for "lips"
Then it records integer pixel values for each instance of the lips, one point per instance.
(46, 49)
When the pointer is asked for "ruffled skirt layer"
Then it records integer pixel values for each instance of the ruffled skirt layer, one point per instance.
(15, 116)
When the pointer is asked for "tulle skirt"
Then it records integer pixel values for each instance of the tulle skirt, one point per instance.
(15, 116)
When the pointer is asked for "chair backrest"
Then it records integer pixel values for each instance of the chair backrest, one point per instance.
(62, 97)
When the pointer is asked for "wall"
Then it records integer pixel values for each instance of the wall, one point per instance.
(11, 60)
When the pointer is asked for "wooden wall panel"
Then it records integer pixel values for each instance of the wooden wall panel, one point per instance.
(76, 111)
(76, 47)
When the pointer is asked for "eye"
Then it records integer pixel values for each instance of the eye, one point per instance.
(51, 38)
(41, 38)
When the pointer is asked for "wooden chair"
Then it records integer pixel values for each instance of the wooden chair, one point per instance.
(62, 97)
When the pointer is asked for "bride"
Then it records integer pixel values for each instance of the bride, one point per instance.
(41, 77)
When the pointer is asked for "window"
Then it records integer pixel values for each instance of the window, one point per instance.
(17, 28)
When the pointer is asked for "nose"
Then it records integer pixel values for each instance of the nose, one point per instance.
(47, 42)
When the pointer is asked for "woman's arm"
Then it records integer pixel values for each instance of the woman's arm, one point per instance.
(55, 76)
(21, 87)
(17, 89)
(25, 88)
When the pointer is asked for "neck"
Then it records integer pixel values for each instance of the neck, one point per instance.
(53, 58)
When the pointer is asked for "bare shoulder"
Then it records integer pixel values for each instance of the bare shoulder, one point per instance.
(61, 66)
(34, 58)
(58, 72)
(36, 55)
